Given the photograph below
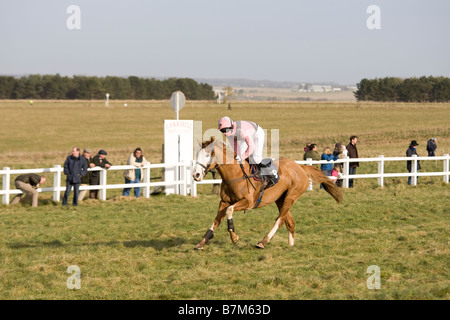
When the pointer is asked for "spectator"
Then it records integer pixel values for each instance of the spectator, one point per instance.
(312, 153)
(85, 180)
(28, 183)
(409, 153)
(327, 167)
(99, 161)
(75, 168)
(340, 151)
(307, 147)
(431, 147)
(134, 175)
(352, 153)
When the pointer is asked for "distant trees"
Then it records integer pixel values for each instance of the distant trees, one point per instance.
(424, 89)
(87, 87)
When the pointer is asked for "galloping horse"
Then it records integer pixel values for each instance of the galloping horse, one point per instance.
(240, 190)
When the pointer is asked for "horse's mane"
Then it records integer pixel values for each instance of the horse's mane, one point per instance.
(212, 142)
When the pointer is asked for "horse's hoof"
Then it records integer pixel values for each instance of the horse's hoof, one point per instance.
(234, 238)
(199, 247)
(259, 245)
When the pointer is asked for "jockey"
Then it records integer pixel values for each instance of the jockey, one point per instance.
(247, 138)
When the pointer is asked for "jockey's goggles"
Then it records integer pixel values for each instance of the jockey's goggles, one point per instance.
(224, 130)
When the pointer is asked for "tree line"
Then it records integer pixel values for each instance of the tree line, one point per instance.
(91, 87)
(424, 89)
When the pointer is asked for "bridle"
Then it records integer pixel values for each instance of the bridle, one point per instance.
(208, 166)
(208, 169)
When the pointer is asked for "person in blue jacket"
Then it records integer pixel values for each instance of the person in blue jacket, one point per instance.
(327, 155)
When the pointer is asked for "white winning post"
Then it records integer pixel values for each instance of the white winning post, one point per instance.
(107, 100)
(178, 146)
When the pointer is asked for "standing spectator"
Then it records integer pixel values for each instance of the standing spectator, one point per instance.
(340, 151)
(327, 167)
(312, 153)
(134, 175)
(75, 168)
(85, 180)
(28, 183)
(431, 147)
(99, 161)
(409, 153)
(352, 153)
(307, 147)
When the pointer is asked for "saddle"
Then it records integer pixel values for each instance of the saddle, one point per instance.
(265, 172)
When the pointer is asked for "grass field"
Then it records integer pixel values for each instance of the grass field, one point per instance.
(143, 248)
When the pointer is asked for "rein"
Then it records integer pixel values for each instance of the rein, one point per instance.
(209, 169)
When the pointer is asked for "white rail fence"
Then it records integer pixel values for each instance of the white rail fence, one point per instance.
(187, 185)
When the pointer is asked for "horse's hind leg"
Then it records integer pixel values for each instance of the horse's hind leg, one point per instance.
(269, 236)
(290, 225)
(284, 204)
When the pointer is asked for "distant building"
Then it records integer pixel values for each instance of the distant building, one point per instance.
(316, 88)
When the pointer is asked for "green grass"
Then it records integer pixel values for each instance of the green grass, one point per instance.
(143, 248)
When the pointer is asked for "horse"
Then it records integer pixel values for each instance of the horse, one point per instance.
(240, 189)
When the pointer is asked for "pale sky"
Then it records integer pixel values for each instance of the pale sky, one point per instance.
(283, 40)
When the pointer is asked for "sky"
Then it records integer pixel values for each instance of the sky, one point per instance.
(282, 40)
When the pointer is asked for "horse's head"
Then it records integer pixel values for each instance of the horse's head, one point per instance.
(213, 154)
(206, 160)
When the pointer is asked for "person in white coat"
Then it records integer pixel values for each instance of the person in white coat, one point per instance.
(134, 175)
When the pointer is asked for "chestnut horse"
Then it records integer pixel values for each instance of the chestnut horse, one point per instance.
(240, 191)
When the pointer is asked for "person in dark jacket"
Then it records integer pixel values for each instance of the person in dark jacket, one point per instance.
(99, 161)
(75, 168)
(312, 153)
(352, 153)
(28, 183)
(409, 153)
(431, 147)
(85, 181)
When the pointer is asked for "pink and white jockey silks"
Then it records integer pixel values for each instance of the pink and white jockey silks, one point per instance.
(246, 137)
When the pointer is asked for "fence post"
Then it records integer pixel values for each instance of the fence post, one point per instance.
(310, 181)
(346, 171)
(414, 170)
(146, 172)
(381, 171)
(446, 168)
(57, 183)
(102, 195)
(193, 182)
(184, 174)
(6, 182)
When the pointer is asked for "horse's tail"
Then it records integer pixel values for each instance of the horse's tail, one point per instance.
(329, 185)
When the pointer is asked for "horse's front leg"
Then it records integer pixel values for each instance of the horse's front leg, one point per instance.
(210, 233)
(240, 205)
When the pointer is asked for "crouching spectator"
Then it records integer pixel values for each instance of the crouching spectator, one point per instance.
(28, 183)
